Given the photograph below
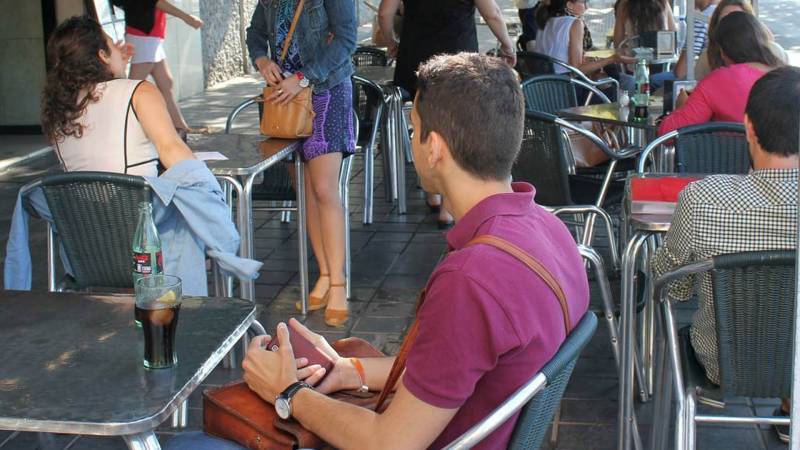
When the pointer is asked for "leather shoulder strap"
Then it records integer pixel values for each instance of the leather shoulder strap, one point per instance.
(291, 30)
(533, 264)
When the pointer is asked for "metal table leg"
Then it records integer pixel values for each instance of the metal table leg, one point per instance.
(245, 218)
(302, 231)
(142, 441)
(399, 145)
(627, 330)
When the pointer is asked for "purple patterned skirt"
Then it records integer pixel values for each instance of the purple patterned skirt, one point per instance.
(333, 123)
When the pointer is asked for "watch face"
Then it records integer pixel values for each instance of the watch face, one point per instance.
(282, 408)
(304, 83)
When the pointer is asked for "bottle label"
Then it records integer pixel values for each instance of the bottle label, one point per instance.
(143, 264)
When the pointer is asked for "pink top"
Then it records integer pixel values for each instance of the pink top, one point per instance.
(488, 323)
(719, 97)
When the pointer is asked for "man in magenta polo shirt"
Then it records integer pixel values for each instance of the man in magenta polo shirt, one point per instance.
(488, 323)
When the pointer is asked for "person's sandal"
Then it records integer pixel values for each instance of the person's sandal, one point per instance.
(337, 318)
(314, 302)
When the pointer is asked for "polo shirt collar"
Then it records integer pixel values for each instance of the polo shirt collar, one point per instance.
(516, 203)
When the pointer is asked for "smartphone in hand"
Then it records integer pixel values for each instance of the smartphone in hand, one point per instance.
(303, 348)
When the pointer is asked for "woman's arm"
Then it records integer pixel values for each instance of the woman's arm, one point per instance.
(698, 107)
(493, 16)
(670, 16)
(154, 117)
(172, 10)
(343, 27)
(386, 13)
(576, 52)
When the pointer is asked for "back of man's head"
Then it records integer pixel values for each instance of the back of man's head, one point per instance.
(773, 109)
(475, 103)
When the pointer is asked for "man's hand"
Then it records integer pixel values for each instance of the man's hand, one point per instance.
(270, 373)
(391, 49)
(269, 70)
(343, 375)
(287, 90)
(193, 21)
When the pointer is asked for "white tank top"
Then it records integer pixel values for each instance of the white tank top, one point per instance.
(554, 40)
(113, 139)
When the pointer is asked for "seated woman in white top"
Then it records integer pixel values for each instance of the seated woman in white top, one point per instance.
(94, 117)
(561, 32)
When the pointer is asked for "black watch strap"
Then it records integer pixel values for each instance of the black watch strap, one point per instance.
(289, 392)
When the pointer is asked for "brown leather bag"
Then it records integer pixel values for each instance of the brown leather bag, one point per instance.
(236, 413)
(296, 118)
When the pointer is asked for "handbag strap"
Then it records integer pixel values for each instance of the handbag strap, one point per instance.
(288, 40)
(533, 264)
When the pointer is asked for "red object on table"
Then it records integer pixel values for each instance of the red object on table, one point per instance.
(658, 189)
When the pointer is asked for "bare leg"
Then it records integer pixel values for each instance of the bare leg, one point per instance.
(163, 78)
(323, 171)
(140, 71)
(315, 236)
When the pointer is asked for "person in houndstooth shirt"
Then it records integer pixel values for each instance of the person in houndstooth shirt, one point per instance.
(734, 213)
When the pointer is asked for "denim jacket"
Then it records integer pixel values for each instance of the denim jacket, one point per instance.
(326, 60)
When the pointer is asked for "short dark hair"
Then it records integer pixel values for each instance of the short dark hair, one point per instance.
(475, 103)
(773, 108)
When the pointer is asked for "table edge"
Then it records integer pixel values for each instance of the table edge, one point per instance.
(140, 425)
(261, 166)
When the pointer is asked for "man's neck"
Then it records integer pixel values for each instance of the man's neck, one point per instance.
(772, 161)
(465, 192)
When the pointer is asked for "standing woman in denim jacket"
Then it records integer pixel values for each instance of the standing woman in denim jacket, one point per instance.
(319, 54)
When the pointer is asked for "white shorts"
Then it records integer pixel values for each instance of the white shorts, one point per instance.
(147, 49)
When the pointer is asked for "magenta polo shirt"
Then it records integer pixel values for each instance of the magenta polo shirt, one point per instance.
(488, 323)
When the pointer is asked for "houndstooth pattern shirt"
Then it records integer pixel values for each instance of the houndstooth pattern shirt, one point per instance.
(725, 214)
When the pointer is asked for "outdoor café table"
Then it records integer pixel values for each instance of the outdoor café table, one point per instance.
(72, 363)
(393, 124)
(248, 156)
(642, 226)
(640, 133)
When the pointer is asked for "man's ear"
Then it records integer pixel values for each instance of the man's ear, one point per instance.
(438, 148)
(750, 132)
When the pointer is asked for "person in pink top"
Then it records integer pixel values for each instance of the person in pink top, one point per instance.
(722, 95)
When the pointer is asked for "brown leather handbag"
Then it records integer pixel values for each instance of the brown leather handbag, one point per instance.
(236, 413)
(294, 119)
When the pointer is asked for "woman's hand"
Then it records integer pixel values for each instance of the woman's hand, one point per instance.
(193, 21)
(343, 375)
(683, 97)
(619, 58)
(287, 90)
(127, 49)
(270, 70)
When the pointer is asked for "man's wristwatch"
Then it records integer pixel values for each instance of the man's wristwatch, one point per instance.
(302, 78)
(283, 402)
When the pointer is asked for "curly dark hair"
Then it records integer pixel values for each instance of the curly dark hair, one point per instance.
(75, 71)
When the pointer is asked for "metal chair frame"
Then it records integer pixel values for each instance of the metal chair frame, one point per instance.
(344, 188)
(665, 161)
(563, 78)
(572, 70)
(563, 361)
(368, 149)
(686, 415)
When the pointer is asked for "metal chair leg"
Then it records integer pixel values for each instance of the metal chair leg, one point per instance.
(180, 418)
(344, 192)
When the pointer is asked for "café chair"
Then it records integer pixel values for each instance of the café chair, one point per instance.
(94, 219)
(532, 64)
(545, 160)
(277, 186)
(708, 148)
(754, 300)
(552, 93)
(370, 56)
(368, 104)
(537, 400)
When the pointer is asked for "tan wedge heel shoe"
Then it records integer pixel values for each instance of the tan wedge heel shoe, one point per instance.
(314, 302)
(337, 318)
